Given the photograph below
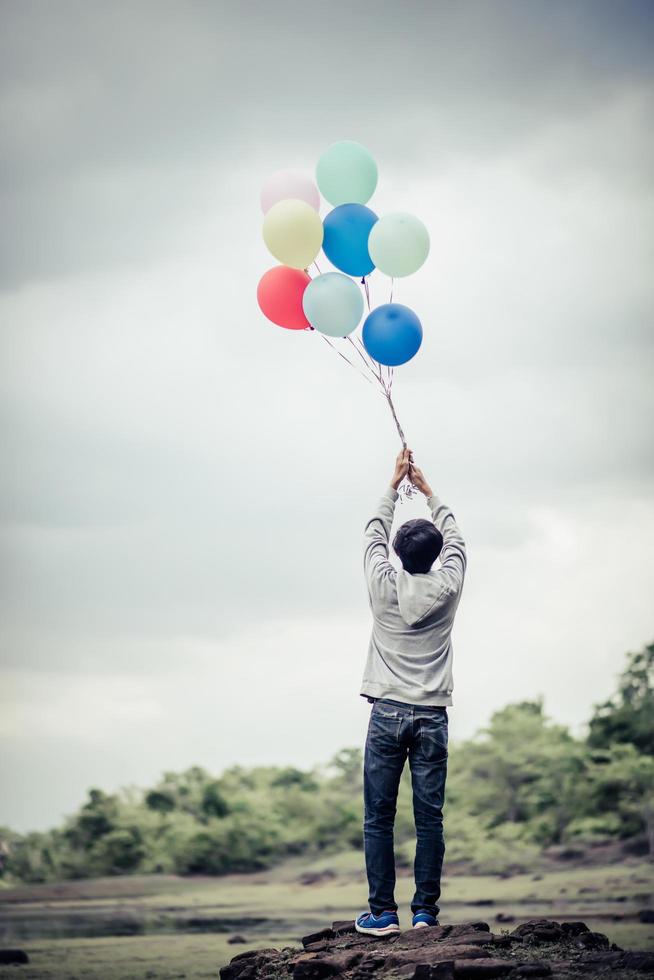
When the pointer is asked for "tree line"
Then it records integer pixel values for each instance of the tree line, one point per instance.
(521, 786)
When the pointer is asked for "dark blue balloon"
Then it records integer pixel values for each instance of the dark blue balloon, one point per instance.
(392, 334)
(346, 238)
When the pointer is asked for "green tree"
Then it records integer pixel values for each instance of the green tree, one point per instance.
(213, 802)
(160, 801)
(118, 852)
(622, 786)
(628, 717)
(521, 770)
(95, 819)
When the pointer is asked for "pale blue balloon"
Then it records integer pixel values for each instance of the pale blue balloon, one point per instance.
(333, 304)
(346, 173)
(398, 244)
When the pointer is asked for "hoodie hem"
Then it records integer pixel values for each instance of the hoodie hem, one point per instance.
(437, 699)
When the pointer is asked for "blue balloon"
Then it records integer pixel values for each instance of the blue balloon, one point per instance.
(392, 334)
(345, 242)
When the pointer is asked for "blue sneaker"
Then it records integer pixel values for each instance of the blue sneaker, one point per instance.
(382, 924)
(422, 919)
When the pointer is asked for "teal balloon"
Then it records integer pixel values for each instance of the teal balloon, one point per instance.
(346, 173)
(333, 304)
(398, 244)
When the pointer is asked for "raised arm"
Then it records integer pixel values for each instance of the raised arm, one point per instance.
(377, 531)
(453, 554)
(376, 535)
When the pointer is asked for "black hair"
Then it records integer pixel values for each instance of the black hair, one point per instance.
(418, 544)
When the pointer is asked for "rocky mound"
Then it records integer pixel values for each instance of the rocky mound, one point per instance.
(537, 948)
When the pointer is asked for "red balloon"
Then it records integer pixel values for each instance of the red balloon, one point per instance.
(279, 295)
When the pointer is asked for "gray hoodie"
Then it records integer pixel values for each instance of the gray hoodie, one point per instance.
(410, 652)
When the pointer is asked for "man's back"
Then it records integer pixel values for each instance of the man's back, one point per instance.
(410, 651)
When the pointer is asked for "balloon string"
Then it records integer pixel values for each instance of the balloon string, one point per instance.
(363, 354)
(375, 367)
(365, 286)
(397, 421)
(407, 488)
(346, 359)
(392, 284)
(317, 267)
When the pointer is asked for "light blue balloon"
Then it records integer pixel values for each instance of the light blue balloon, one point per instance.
(346, 173)
(333, 304)
(345, 238)
(392, 334)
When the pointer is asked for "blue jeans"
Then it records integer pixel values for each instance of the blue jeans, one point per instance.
(396, 729)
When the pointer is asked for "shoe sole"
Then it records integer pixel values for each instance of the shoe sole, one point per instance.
(386, 931)
(423, 925)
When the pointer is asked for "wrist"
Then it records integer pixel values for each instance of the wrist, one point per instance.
(428, 492)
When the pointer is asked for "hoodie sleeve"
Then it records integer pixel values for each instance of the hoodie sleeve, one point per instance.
(376, 565)
(453, 555)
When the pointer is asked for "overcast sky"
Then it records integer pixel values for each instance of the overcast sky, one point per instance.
(185, 485)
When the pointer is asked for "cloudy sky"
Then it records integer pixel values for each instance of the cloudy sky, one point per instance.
(185, 485)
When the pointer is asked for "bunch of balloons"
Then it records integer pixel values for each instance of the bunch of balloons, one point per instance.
(356, 241)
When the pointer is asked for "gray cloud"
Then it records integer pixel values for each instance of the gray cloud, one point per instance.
(115, 122)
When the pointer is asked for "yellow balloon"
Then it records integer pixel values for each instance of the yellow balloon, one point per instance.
(293, 232)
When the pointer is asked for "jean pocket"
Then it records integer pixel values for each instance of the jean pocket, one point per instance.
(434, 738)
(384, 724)
(385, 710)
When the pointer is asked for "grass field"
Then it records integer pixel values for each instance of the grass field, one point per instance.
(163, 926)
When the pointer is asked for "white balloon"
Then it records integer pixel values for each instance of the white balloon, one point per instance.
(284, 184)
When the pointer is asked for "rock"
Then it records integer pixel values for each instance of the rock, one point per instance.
(592, 940)
(646, 915)
(504, 917)
(465, 927)
(482, 901)
(607, 959)
(464, 970)
(247, 965)
(315, 937)
(13, 956)
(432, 954)
(574, 928)
(437, 971)
(539, 931)
(642, 962)
(534, 969)
(315, 968)
(343, 926)
(237, 939)
(251, 953)
(474, 938)
(464, 951)
(423, 936)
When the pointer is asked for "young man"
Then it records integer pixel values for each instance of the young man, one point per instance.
(408, 679)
